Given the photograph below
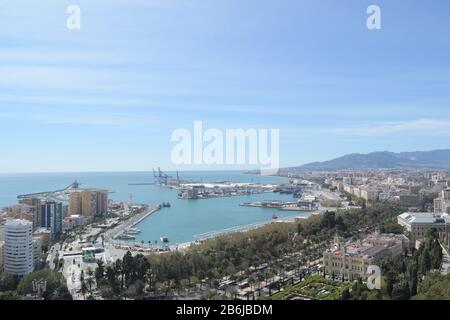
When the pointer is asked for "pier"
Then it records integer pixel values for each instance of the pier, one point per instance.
(142, 184)
(130, 223)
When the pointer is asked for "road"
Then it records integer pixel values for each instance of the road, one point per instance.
(72, 274)
(54, 250)
(326, 194)
(445, 262)
(72, 271)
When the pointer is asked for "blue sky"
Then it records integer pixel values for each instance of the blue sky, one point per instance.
(107, 97)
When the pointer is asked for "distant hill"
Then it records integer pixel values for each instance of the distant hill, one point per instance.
(385, 160)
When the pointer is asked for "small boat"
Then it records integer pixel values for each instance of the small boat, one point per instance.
(126, 237)
(274, 217)
(132, 231)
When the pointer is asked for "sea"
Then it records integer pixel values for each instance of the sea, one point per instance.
(182, 222)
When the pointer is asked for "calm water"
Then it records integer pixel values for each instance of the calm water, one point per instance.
(181, 222)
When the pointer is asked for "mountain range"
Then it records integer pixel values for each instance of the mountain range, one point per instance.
(437, 159)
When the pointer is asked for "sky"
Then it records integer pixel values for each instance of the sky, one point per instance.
(107, 97)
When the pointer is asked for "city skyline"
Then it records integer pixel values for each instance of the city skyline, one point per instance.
(107, 97)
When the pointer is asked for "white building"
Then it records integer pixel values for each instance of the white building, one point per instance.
(442, 203)
(2, 231)
(37, 250)
(418, 224)
(18, 252)
(2, 247)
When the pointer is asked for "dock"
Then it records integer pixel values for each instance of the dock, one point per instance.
(133, 221)
(142, 184)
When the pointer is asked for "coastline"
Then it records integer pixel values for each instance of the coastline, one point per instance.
(133, 245)
(245, 228)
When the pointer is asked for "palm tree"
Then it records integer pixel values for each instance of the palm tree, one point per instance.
(56, 261)
(83, 289)
(90, 279)
(227, 291)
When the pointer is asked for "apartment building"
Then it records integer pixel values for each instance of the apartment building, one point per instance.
(21, 211)
(18, 248)
(369, 194)
(88, 203)
(2, 249)
(52, 217)
(37, 250)
(36, 203)
(442, 203)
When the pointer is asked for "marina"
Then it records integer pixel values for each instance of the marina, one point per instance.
(126, 230)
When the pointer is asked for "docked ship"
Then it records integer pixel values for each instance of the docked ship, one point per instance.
(125, 236)
(132, 231)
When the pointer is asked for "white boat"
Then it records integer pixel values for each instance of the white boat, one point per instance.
(132, 231)
(126, 237)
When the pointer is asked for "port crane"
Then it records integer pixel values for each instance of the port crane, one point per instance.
(160, 177)
(164, 179)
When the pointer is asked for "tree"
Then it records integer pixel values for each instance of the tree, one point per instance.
(90, 279)
(346, 294)
(100, 271)
(61, 293)
(83, 289)
(357, 289)
(425, 261)
(55, 284)
(401, 291)
(434, 287)
(56, 261)
(136, 289)
(392, 228)
(8, 282)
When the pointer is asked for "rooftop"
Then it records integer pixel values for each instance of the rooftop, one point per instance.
(17, 222)
(424, 217)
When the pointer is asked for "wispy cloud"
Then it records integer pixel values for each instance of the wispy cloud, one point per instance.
(419, 126)
(74, 117)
